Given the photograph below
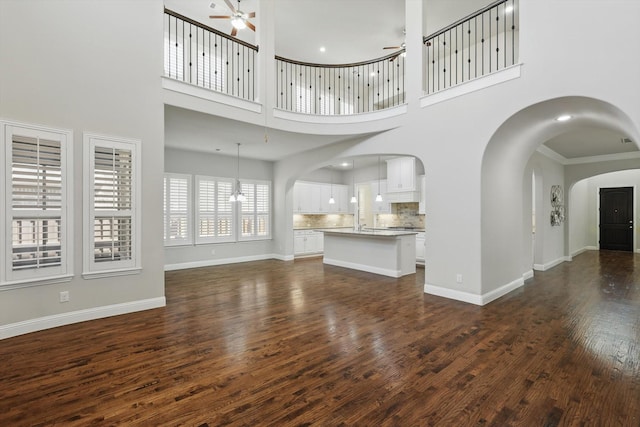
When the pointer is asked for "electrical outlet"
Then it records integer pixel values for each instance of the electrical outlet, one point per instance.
(64, 296)
(459, 278)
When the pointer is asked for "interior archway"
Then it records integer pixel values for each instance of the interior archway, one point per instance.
(507, 169)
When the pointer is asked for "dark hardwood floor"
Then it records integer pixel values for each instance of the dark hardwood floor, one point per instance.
(273, 343)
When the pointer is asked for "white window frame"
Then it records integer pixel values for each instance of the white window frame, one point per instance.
(10, 279)
(92, 269)
(215, 214)
(169, 210)
(244, 209)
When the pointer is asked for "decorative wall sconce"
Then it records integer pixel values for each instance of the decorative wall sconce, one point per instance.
(557, 207)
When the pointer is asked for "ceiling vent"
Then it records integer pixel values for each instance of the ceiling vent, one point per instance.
(625, 140)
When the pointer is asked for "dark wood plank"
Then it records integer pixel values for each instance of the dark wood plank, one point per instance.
(300, 343)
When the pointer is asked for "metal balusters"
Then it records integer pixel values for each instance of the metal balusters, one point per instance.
(208, 58)
(451, 58)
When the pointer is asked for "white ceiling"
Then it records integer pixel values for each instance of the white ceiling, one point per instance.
(351, 31)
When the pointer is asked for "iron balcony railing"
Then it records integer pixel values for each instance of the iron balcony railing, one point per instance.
(206, 57)
(343, 89)
(479, 44)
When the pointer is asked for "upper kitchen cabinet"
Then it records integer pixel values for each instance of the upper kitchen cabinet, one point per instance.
(313, 198)
(401, 174)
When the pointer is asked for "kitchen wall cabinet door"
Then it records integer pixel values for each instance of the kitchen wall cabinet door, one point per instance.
(302, 196)
(401, 174)
(420, 248)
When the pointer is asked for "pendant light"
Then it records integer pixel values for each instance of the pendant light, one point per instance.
(332, 201)
(237, 195)
(353, 182)
(379, 196)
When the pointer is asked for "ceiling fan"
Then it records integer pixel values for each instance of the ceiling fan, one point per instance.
(239, 19)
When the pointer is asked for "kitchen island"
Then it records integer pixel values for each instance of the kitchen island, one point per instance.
(387, 252)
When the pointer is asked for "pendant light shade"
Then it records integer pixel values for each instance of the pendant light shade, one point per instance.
(237, 195)
(354, 199)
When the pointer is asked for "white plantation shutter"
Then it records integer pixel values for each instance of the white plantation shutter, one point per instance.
(36, 237)
(255, 213)
(177, 210)
(112, 211)
(214, 211)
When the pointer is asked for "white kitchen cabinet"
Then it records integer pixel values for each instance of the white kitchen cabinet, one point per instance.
(380, 207)
(307, 242)
(420, 248)
(401, 174)
(422, 182)
(313, 198)
(302, 193)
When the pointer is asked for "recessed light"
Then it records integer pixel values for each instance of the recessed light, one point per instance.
(563, 118)
(344, 164)
(323, 49)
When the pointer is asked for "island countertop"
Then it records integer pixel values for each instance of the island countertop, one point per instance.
(373, 232)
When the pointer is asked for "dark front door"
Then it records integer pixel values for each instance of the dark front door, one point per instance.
(616, 218)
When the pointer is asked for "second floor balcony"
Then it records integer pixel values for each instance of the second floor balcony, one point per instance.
(474, 46)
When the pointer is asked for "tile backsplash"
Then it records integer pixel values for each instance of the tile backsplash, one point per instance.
(322, 221)
(402, 215)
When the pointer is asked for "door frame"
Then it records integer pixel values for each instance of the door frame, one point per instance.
(633, 209)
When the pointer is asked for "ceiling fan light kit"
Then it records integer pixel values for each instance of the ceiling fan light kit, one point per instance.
(239, 19)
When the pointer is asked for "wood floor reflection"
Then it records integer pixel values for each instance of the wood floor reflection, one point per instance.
(303, 344)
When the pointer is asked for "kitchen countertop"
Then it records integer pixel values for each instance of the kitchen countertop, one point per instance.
(369, 232)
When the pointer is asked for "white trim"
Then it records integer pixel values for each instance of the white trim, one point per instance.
(527, 275)
(497, 77)
(548, 152)
(342, 118)
(501, 291)
(209, 95)
(111, 273)
(17, 284)
(453, 294)
(283, 257)
(581, 250)
(53, 321)
(64, 272)
(474, 298)
(547, 265)
(90, 142)
(363, 267)
(221, 261)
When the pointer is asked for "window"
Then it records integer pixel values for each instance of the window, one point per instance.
(112, 213)
(255, 212)
(177, 210)
(36, 199)
(214, 211)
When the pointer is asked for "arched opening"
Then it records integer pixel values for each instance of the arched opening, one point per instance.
(518, 175)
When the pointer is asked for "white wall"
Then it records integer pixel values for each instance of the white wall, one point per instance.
(88, 66)
(198, 163)
(581, 235)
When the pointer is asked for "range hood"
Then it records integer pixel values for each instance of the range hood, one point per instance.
(403, 197)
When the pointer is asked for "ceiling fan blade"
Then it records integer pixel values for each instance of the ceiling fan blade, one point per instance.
(230, 5)
(250, 25)
(220, 16)
(251, 15)
(234, 31)
(392, 47)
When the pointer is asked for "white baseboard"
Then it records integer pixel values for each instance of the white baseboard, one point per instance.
(53, 321)
(222, 261)
(474, 298)
(551, 264)
(453, 294)
(501, 291)
(368, 268)
(527, 275)
(585, 249)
